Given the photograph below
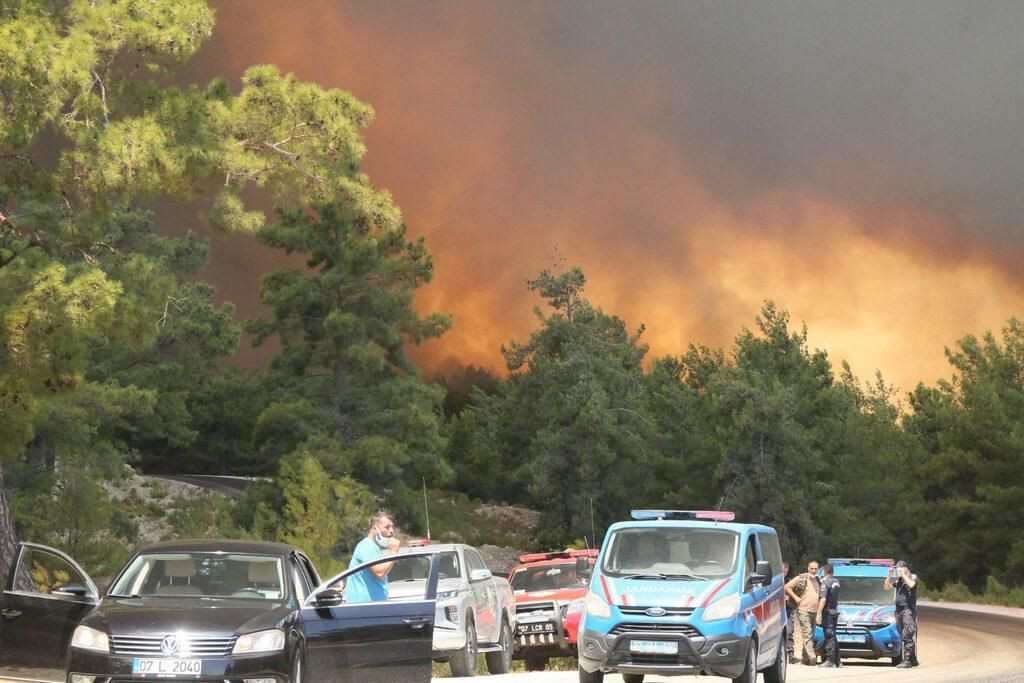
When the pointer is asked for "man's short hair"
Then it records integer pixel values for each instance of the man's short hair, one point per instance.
(827, 569)
(379, 516)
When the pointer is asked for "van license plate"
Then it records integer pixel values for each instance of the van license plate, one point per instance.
(165, 668)
(851, 638)
(654, 647)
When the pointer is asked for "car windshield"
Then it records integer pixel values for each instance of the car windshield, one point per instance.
(547, 577)
(671, 553)
(210, 575)
(417, 568)
(865, 590)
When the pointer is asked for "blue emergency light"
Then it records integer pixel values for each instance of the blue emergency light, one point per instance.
(700, 515)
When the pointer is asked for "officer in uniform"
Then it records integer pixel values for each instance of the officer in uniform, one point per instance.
(905, 583)
(828, 616)
(790, 618)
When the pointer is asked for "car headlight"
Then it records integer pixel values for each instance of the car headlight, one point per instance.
(596, 606)
(576, 605)
(447, 595)
(726, 608)
(270, 640)
(87, 638)
(889, 618)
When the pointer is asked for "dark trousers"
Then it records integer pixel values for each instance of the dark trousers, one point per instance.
(790, 628)
(906, 622)
(829, 622)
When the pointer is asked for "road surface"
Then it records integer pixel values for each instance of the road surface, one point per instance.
(958, 643)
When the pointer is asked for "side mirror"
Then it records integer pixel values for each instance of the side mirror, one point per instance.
(70, 589)
(762, 573)
(582, 566)
(479, 574)
(328, 598)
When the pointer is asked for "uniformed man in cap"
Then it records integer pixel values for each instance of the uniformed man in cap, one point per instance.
(828, 616)
(905, 582)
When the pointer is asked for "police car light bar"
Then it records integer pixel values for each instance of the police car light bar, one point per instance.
(418, 543)
(703, 515)
(873, 562)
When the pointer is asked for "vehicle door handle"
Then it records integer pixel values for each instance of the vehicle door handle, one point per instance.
(416, 623)
(10, 613)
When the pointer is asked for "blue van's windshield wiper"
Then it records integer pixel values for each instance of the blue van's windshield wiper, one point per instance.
(663, 577)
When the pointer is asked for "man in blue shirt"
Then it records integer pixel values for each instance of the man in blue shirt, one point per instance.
(371, 584)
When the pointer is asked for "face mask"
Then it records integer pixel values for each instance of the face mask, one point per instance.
(382, 541)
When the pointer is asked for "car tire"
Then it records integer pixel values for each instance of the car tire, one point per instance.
(463, 662)
(633, 678)
(536, 663)
(749, 673)
(298, 674)
(591, 677)
(776, 673)
(500, 662)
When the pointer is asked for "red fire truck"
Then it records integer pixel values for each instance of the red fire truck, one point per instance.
(549, 592)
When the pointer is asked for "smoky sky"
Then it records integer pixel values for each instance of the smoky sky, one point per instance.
(857, 162)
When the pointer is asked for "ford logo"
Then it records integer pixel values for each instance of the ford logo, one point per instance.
(169, 645)
(655, 611)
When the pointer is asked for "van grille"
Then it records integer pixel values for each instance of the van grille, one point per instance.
(669, 611)
(678, 629)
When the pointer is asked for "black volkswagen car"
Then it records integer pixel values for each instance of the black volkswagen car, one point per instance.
(210, 610)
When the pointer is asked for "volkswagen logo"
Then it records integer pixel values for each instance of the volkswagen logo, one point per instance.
(655, 611)
(169, 645)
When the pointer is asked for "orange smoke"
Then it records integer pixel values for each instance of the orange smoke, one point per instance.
(498, 153)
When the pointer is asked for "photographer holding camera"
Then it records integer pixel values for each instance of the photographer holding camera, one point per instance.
(905, 583)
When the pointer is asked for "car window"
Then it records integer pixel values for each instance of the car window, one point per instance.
(365, 586)
(214, 575)
(772, 552)
(473, 560)
(751, 558)
(45, 573)
(307, 566)
(299, 578)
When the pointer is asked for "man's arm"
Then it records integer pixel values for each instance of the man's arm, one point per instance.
(384, 568)
(888, 585)
(789, 589)
(821, 608)
(910, 579)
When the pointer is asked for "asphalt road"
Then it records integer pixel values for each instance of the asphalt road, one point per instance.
(956, 644)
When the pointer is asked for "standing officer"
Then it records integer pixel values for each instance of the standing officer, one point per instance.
(905, 583)
(803, 590)
(828, 616)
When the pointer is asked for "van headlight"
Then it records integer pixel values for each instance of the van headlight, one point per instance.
(725, 608)
(595, 606)
(577, 605)
(270, 640)
(889, 618)
(86, 638)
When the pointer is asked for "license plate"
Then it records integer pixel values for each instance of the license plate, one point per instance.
(160, 668)
(654, 647)
(523, 629)
(850, 638)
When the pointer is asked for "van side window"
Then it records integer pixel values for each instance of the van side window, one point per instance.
(751, 558)
(771, 551)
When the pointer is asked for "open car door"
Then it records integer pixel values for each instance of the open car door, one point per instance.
(371, 642)
(45, 596)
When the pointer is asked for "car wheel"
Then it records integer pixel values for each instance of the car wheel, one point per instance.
(776, 673)
(749, 673)
(591, 677)
(633, 678)
(463, 662)
(298, 672)
(536, 663)
(501, 662)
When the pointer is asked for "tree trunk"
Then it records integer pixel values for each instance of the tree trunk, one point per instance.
(8, 536)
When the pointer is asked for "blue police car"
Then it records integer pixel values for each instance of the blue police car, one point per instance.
(867, 616)
(677, 592)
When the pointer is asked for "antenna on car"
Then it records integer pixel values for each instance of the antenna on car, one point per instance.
(426, 510)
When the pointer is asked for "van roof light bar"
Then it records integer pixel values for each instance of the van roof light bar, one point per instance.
(870, 561)
(556, 555)
(701, 515)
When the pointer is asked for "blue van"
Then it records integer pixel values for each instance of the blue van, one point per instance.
(867, 612)
(681, 592)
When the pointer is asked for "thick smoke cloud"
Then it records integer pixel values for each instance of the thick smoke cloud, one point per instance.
(856, 162)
